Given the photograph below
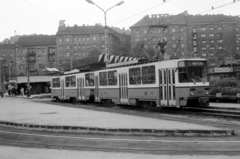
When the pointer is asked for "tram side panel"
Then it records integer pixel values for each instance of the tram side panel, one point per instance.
(144, 96)
(108, 89)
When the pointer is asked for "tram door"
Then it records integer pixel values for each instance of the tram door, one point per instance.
(167, 87)
(123, 88)
(62, 89)
(81, 94)
(96, 93)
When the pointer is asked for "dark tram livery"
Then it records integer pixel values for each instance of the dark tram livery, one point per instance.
(169, 83)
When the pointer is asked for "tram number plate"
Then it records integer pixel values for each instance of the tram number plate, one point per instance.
(199, 92)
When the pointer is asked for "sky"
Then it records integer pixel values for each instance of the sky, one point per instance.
(25, 17)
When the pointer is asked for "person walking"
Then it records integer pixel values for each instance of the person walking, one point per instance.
(22, 91)
(1, 92)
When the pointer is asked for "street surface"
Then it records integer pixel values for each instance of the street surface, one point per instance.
(43, 144)
(25, 111)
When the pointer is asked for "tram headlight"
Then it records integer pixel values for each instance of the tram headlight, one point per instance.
(207, 93)
(191, 93)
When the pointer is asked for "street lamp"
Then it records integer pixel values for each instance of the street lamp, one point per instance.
(28, 73)
(105, 27)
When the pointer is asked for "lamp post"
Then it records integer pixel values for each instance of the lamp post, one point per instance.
(1, 76)
(28, 74)
(105, 26)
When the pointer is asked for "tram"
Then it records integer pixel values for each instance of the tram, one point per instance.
(168, 83)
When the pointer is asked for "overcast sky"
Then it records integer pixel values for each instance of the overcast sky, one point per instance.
(42, 16)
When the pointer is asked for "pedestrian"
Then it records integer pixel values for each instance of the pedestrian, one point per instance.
(46, 90)
(1, 93)
(22, 91)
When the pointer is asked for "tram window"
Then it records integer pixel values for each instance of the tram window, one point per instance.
(148, 75)
(103, 78)
(70, 81)
(55, 82)
(89, 78)
(160, 77)
(173, 76)
(73, 81)
(135, 76)
(112, 78)
(183, 77)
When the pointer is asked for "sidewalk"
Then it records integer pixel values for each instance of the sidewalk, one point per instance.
(33, 96)
(35, 115)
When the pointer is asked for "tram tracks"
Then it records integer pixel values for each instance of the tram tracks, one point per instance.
(150, 146)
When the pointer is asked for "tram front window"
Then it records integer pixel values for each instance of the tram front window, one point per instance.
(192, 71)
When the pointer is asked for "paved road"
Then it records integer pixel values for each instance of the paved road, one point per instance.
(28, 111)
(24, 110)
(32, 153)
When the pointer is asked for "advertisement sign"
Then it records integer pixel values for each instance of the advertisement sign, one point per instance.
(223, 69)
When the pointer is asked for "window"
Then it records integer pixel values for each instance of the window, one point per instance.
(211, 41)
(204, 41)
(67, 39)
(211, 35)
(182, 75)
(145, 31)
(204, 48)
(220, 28)
(94, 38)
(220, 41)
(211, 48)
(211, 28)
(173, 30)
(194, 30)
(134, 76)
(174, 45)
(112, 78)
(203, 35)
(89, 78)
(55, 82)
(103, 78)
(70, 81)
(194, 49)
(194, 43)
(148, 75)
(203, 29)
(173, 38)
(182, 45)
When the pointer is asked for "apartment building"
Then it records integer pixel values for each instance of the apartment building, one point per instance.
(76, 42)
(40, 50)
(208, 36)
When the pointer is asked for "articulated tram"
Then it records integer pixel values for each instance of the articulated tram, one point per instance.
(169, 83)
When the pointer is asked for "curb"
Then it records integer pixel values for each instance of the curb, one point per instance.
(110, 131)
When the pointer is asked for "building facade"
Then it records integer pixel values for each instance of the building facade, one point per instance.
(7, 56)
(37, 51)
(77, 42)
(208, 36)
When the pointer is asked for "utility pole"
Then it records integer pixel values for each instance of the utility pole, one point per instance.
(28, 76)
